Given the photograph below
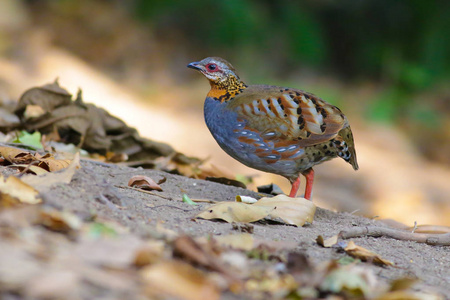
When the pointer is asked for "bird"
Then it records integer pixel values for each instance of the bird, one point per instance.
(279, 130)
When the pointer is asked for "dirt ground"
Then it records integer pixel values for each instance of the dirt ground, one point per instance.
(100, 189)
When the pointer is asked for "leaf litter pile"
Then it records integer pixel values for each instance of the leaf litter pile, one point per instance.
(83, 228)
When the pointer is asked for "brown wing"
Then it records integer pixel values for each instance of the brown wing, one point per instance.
(288, 116)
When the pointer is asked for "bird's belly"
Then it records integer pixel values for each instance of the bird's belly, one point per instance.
(249, 148)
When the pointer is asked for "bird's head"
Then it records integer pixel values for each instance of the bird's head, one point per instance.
(216, 69)
(225, 83)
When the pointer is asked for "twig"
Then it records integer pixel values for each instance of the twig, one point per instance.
(204, 200)
(375, 231)
(33, 163)
(143, 191)
(438, 229)
(173, 206)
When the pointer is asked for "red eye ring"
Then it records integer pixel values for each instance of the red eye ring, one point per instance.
(212, 67)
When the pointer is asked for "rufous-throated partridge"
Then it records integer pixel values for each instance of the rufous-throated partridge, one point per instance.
(274, 129)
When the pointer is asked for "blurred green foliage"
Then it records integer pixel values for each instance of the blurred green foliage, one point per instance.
(402, 46)
(405, 43)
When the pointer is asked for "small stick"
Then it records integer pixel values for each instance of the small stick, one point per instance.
(375, 231)
(173, 206)
(204, 200)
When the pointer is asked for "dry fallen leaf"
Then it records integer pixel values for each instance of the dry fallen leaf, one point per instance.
(151, 252)
(51, 164)
(243, 241)
(59, 221)
(180, 280)
(144, 183)
(292, 211)
(281, 208)
(31, 169)
(17, 156)
(33, 112)
(47, 97)
(17, 190)
(45, 181)
(327, 243)
(235, 212)
(365, 255)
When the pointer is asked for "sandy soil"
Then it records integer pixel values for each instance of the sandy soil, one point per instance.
(142, 212)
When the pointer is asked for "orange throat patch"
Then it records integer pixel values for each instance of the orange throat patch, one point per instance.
(226, 90)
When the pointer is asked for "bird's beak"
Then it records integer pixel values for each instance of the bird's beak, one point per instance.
(194, 65)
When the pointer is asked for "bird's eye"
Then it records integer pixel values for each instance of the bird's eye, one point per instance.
(212, 67)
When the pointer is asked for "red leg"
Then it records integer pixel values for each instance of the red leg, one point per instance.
(294, 188)
(309, 183)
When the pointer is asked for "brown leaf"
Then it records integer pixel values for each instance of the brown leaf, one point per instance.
(51, 164)
(116, 157)
(186, 248)
(292, 211)
(33, 112)
(243, 241)
(365, 255)
(44, 182)
(327, 243)
(144, 183)
(149, 253)
(179, 280)
(17, 156)
(31, 169)
(13, 189)
(235, 212)
(59, 221)
(47, 97)
(402, 284)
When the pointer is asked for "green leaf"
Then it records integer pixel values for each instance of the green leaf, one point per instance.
(346, 260)
(97, 230)
(29, 139)
(188, 200)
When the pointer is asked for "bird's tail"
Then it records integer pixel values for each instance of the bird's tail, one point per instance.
(349, 154)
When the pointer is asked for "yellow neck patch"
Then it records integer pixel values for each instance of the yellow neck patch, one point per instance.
(226, 90)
